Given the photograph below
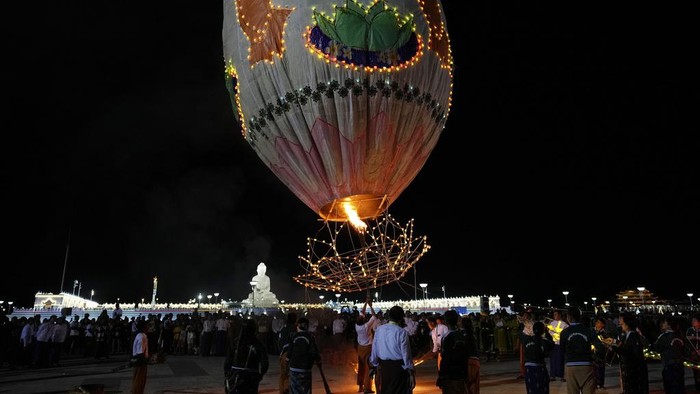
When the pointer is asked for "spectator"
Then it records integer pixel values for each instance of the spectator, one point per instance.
(246, 360)
(283, 340)
(364, 329)
(453, 369)
(670, 346)
(576, 342)
(140, 349)
(391, 353)
(474, 368)
(301, 356)
(538, 347)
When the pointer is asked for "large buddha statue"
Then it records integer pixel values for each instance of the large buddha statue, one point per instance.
(262, 297)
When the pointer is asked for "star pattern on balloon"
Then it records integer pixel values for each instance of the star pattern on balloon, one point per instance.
(263, 25)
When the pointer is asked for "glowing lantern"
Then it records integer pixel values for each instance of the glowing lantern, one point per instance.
(343, 103)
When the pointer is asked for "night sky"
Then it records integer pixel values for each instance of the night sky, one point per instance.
(568, 161)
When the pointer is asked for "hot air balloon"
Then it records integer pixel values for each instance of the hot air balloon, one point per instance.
(344, 103)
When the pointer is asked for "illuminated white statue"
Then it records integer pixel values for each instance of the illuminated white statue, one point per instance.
(261, 297)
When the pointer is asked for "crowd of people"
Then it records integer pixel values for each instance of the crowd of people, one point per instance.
(384, 346)
(587, 345)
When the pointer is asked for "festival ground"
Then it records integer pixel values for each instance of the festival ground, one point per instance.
(194, 374)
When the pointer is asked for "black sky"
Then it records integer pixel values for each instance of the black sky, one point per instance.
(569, 159)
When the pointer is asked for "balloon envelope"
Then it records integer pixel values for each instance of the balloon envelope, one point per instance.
(344, 104)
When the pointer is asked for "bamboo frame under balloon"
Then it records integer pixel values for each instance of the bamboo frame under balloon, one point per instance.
(342, 259)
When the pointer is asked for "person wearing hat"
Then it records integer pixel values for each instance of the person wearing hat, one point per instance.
(391, 356)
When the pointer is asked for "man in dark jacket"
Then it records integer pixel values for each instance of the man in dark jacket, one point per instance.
(301, 356)
(452, 373)
(576, 341)
(671, 347)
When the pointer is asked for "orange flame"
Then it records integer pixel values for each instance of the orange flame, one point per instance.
(354, 218)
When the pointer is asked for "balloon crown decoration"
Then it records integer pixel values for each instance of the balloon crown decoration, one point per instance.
(373, 37)
(377, 28)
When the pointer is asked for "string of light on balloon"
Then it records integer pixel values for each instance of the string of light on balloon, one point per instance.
(351, 86)
(338, 63)
(437, 31)
(260, 33)
(232, 79)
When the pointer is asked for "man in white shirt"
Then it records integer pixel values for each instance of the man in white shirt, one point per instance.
(437, 331)
(391, 352)
(58, 339)
(411, 324)
(42, 350)
(222, 325)
(207, 336)
(339, 325)
(74, 335)
(117, 313)
(26, 341)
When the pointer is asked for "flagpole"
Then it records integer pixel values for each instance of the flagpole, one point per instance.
(65, 259)
(415, 288)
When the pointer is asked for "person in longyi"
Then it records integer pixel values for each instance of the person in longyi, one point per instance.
(633, 365)
(303, 353)
(601, 352)
(140, 347)
(538, 347)
(391, 356)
